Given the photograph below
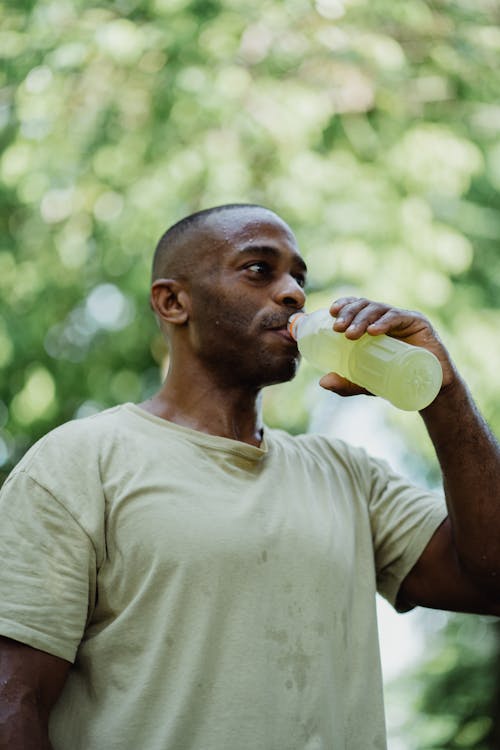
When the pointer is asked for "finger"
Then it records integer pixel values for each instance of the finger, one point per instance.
(355, 317)
(399, 323)
(336, 306)
(345, 309)
(341, 386)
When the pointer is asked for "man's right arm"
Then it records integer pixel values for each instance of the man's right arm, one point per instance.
(30, 684)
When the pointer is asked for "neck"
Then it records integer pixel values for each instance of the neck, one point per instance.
(201, 404)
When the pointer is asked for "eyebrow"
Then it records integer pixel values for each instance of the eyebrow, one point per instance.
(271, 252)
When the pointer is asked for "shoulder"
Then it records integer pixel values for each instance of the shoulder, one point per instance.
(322, 449)
(61, 475)
(311, 441)
(70, 456)
(75, 439)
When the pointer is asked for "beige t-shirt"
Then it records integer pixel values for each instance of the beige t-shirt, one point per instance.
(212, 595)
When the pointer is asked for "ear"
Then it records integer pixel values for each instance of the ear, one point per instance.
(170, 301)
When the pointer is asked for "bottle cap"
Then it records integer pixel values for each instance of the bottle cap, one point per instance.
(292, 324)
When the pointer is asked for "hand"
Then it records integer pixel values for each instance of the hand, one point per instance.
(356, 316)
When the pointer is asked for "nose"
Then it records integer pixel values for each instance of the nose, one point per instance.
(289, 293)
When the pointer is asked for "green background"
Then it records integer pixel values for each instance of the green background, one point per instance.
(372, 127)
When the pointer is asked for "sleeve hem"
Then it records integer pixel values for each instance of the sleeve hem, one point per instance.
(390, 583)
(36, 639)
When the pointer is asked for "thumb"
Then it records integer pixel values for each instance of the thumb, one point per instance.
(343, 387)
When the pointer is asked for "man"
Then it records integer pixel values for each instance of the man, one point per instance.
(177, 576)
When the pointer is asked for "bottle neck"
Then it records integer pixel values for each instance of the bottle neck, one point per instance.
(294, 322)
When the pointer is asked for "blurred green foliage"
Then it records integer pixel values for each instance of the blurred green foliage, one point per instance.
(371, 126)
(454, 696)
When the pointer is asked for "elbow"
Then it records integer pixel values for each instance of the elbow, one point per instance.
(484, 577)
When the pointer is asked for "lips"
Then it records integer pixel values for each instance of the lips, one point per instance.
(277, 323)
(283, 332)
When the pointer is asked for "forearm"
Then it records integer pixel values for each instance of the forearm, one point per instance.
(30, 684)
(23, 725)
(469, 457)
(23, 719)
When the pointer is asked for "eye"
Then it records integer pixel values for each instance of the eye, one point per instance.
(300, 279)
(259, 268)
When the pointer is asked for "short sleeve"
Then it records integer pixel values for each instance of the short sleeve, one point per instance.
(403, 519)
(47, 575)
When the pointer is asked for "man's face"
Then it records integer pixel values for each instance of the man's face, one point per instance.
(249, 282)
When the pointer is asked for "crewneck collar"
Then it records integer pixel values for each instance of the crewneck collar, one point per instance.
(204, 439)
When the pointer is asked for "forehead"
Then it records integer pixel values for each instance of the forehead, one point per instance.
(237, 229)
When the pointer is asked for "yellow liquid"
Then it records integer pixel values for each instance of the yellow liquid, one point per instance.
(408, 376)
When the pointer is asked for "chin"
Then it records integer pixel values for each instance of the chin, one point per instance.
(282, 374)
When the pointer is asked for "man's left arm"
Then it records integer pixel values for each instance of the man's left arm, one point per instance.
(460, 567)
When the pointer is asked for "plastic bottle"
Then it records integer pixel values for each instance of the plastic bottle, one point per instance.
(408, 376)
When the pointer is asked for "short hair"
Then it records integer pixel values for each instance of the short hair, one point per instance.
(172, 256)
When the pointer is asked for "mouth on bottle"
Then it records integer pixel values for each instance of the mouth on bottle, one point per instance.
(292, 324)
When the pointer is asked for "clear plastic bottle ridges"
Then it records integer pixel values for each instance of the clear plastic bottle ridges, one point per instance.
(408, 376)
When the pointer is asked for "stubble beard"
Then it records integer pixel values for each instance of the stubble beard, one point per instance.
(229, 346)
